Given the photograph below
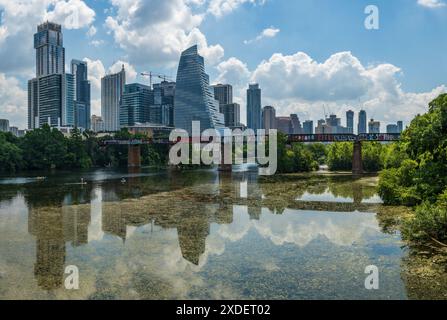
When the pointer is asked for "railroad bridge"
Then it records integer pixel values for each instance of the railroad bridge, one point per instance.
(134, 148)
(357, 161)
(134, 145)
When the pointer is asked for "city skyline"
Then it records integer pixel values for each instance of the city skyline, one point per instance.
(126, 105)
(274, 48)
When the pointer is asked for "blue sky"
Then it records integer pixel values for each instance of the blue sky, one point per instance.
(305, 54)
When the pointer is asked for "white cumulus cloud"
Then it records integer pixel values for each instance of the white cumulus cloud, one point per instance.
(13, 101)
(266, 33)
(92, 31)
(431, 3)
(299, 84)
(156, 32)
(222, 7)
(19, 21)
(72, 14)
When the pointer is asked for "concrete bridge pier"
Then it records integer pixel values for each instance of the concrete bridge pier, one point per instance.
(134, 156)
(357, 161)
(224, 167)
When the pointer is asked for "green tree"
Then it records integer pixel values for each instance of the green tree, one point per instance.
(372, 154)
(44, 148)
(77, 155)
(393, 155)
(11, 158)
(295, 157)
(319, 152)
(339, 156)
(420, 177)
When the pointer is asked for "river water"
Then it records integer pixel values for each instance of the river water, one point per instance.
(199, 235)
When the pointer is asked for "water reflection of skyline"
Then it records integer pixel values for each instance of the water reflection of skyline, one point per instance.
(91, 213)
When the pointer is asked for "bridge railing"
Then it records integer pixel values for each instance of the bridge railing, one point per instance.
(381, 137)
(124, 142)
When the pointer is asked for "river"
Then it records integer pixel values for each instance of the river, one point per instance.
(204, 235)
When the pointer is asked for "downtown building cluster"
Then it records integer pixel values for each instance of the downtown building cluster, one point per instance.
(63, 100)
(55, 97)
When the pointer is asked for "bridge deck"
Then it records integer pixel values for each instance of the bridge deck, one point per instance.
(379, 137)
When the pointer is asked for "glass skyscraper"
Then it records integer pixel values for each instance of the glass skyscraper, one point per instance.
(194, 98)
(232, 114)
(50, 52)
(4, 125)
(362, 127)
(350, 121)
(254, 112)
(162, 112)
(79, 69)
(112, 88)
(51, 95)
(269, 118)
(223, 93)
(68, 100)
(135, 104)
(308, 127)
(33, 103)
(56, 100)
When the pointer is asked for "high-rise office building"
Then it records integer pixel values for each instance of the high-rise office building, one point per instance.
(194, 97)
(400, 126)
(51, 94)
(223, 93)
(135, 103)
(232, 114)
(284, 124)
(4, 125)
(50, 52)
(112, 89)
(161, 114)
(308, 127)
(362, 125)
(68, 100)
(268, 118)
(333, 121)
(254, 113)
(323, 128)
(141, 104)
(162, 110)
(79, 69)
(350, 121)
(296, 124)
(392, 128)
(13, 130)
(374, 126)
(333, 126)
(33, 103)
(51, 101)
(97, 124)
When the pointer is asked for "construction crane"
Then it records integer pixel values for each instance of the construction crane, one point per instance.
(325, 113)
(152, 75)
